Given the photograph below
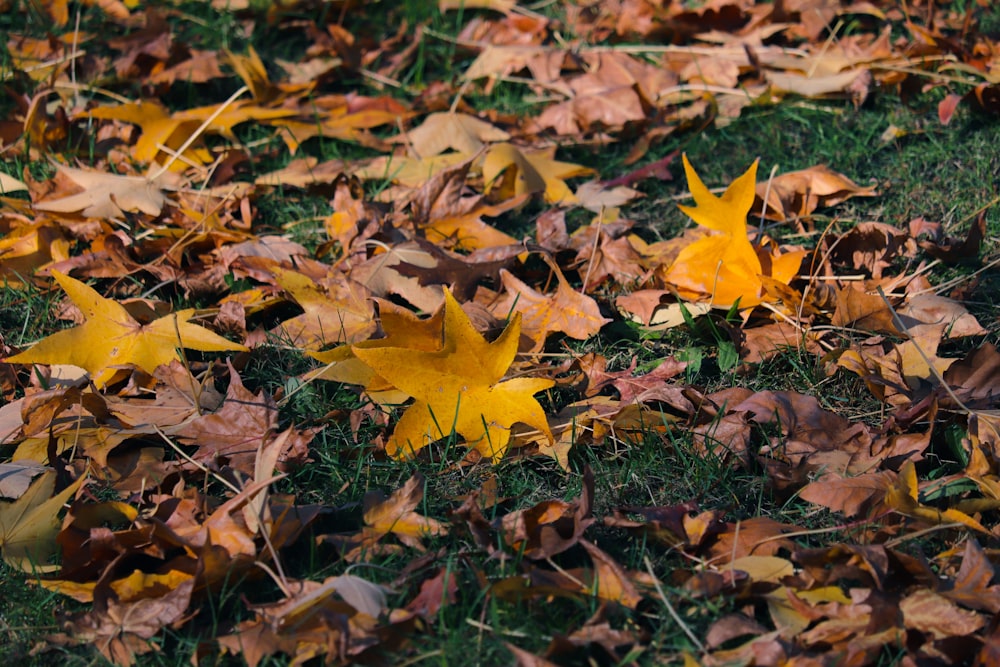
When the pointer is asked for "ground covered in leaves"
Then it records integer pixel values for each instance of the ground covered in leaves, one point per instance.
(581, 332)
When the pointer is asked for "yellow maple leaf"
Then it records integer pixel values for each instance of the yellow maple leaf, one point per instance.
(531, 171)
(458, 387)
(110, 337)
(724, 266)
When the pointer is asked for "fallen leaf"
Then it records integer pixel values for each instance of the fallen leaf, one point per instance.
(459, 388)
(902, 497)
(456, 131)
(339, 311)
(29, 525)
(567, 310)
(528, 171)
(110, 337)
(724, 267)
(395, 515)
(107, 195)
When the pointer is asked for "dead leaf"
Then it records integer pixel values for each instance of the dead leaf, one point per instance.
(107, 195)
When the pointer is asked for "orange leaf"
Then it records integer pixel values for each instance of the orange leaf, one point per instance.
(724, 267)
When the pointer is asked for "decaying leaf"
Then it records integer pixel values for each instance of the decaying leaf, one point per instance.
(107, 195)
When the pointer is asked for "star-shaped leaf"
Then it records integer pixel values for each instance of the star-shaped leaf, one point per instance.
(531, 171)
(110, 337)
(458, 388)
(725, 266)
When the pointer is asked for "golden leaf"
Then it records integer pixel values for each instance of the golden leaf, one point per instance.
(111, 337)
(458, 387)
(725, 266)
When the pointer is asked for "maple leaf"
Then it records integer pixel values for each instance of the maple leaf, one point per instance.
(533, 171)
(458, 131)
(394, 515)
(575, 314)
(724, 266)
(107, 195)
(458, 388)
(110, 337)
(338, 311)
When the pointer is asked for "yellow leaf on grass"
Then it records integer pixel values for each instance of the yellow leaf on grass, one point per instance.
(531, 171)
(28, 526)
(337, 312)
(725, 267)
(458, 388)
(110, 337)
(902, 497)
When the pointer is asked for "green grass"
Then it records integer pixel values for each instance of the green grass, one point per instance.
(943, 173)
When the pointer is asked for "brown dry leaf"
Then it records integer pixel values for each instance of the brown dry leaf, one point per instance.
(16, 477)
(394, 515)
(567, 310)
(239, 429)
(551, 526)
(937, 617)
(448, 216)
(340, 618)
(436, 592)
(121, 630)
(973, 585)
(381, 274)
(797, 194)
(455, 131)
(850, 495)
(107, 196)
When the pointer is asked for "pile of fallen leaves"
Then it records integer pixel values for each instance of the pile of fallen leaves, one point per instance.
(123, 454)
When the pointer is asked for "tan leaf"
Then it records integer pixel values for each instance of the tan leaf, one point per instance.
(107, 195)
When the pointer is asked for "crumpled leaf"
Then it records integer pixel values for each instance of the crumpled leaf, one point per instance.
(107, 195)
(567, 310)
(395, 515)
